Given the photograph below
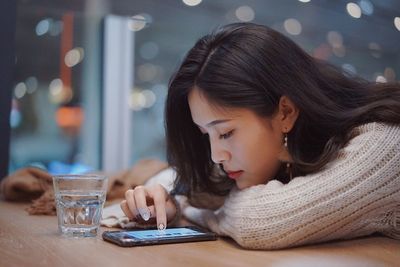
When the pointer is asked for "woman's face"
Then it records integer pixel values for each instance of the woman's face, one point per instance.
(248, 147)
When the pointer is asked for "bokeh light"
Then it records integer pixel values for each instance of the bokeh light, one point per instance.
(20, 90)
(191, 2)
(292, 26)
(334, 38)
(380, 79)
(137, 100)
(15, 115)
(323, 51)
(366, 6)
(396, 22)
(31, 84)
(56, 28)
(339, 51)
(58, 93)
(74, 56)
(149, 50)
(389, 74)
(69, 117)
(139, 22)
(150, 98)
(354, 10)
(141, 99)
(147, 72)
(42, 27)
(245, 13)
(375, 49)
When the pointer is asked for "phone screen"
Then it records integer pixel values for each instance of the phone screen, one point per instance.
(150, 237)
(168, 233)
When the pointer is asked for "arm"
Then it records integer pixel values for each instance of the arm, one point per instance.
(351, 197)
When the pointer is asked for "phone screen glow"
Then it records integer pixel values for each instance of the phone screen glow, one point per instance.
(168, 233)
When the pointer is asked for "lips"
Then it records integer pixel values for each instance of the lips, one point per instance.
(234, 174)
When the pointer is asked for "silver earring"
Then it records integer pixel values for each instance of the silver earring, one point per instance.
(285, 140)
(288, 165)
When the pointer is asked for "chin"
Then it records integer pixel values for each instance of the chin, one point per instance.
(245, 184)
(242, 186)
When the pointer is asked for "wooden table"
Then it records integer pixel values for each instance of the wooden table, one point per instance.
(34, 241)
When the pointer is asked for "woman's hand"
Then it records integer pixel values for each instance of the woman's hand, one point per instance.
(149, 203)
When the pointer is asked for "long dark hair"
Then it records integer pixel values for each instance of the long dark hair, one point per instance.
(251, 66)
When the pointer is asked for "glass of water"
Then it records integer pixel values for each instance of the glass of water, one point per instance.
(79, 201)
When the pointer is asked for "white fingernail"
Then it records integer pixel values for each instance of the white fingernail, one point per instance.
(145, 213)
(161, 226)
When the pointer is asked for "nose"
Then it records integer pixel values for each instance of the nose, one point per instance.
(219, 154)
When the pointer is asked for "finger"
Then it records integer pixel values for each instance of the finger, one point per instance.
(140, 200)
(130, 200)
(152, 210)
(126, 210)
(160, 199)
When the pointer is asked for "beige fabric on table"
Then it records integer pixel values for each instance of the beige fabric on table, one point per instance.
(30, 184)
(113, 216)
(25, 184)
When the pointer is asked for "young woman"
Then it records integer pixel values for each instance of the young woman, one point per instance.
(299, 151)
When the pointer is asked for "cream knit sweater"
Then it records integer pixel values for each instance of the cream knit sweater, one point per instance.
(355, 195)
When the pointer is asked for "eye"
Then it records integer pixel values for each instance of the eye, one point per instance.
(227, 135)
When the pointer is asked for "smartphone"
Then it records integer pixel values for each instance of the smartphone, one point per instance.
(132, 238)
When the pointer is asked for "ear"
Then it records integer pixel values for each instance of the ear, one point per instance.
(287, 114)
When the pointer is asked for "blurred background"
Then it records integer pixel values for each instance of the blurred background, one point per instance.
(91, 75)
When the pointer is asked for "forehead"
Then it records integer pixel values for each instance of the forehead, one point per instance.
(204, 111)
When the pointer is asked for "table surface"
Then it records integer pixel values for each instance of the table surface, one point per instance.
(27, 240)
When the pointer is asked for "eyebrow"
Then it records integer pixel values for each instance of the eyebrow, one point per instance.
(216, 122)
(213, 123)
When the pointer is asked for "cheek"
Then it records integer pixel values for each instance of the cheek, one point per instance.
(265, 145)
(262, 152)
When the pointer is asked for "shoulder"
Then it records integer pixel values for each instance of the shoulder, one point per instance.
(371, 140)
(376, 130)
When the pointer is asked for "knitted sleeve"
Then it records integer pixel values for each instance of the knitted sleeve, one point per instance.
(355, 195)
